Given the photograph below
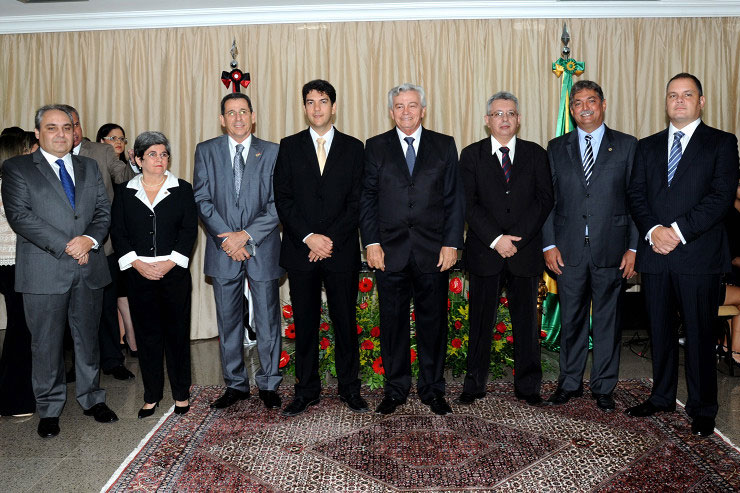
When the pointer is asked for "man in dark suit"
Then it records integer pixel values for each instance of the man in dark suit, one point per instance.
(683, 185)
(412, 211)
(232, 184)
(590, 243)
(317, 191)
(508, 195)
(58, 206)
(113, 171)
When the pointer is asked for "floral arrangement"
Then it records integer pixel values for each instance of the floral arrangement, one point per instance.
(368, 330)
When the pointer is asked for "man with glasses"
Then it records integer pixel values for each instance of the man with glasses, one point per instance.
(590, 243)
(508, 194)
(113, 170)
(233, 189)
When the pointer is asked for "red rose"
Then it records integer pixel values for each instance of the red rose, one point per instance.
(366, 285)
(363, 305)
(456, 285)
(284, 359)
(543, 334)
(456, 342)
(497, 336)
(504, 301)
(375, 332)
(501, 327)
(359, 329)
(287, 311)
(458, 324)
(413, 355)
(290, 331)
(378, 366)
(510, 339)
(324, 326)
(413, 316)
(367, 345)
(449, 304)
(324, 343)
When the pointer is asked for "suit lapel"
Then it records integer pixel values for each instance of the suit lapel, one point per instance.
(396, 151)
(574, 153)
(335, 153)
(80, 180)
(689, 154)
(45, 169)
(312, 161)
(602, 158)
(491, 164)
(518, 163)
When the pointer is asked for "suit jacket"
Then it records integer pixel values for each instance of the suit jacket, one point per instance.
(701, 193)
(254, 211)
(417, 213)
(112, 169)
(495, 207)
(171, 227)
(308, 201)
(40, 213)
(602, 205)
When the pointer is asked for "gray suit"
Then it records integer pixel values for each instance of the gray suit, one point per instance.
(254, 212)
(55, 288)
(591, 272)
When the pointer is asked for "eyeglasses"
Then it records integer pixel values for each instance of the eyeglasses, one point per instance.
(117, 139)
(153, 155)
(232, 113)
(500, 114)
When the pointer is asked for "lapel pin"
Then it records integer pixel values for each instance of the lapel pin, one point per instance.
(610, 149)
(259, 154)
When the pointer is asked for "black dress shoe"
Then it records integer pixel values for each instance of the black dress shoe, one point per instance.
(101, 413)
(388, 405)
(231, 396)
(298, 406)
(271, 399)
(71, 375)
(468, 398)
(605, 402)
(119, 372)
(702, 426)
(531, 399)
(48, 427)
(182, 409)
(355, 403)
(438, 405)
(145, 413)
(562, 396)
(647, 408)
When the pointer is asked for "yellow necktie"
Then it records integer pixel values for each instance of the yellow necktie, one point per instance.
(321, 154)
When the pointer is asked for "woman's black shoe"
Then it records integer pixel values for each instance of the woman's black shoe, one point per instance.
(182, 409)
(145, 413)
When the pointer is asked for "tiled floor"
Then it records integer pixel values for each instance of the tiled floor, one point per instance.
(86, 453)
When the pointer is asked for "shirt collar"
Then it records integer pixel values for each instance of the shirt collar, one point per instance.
(496, 145)
(76, 149)
(596, 134)
(169, 182)
(416, 135)
(688, 131)
(328, 136)
(51, 159)
(247, 144)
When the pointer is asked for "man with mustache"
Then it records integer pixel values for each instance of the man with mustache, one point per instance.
(590, 242)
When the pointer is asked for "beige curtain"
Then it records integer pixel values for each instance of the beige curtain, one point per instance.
(169, 79)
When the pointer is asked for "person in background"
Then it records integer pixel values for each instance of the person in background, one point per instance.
(154, 225)
(30, 142)
(114, 135)
(16, 392)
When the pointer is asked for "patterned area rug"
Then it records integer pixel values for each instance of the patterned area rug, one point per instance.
(497, 444)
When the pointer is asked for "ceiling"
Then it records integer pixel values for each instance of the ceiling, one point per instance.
(18, 17)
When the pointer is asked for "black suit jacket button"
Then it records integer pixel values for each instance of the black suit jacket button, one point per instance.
(411, 205)
(151, 249)
(508, 192)
(508, 210)
(584, 216)
(588, 195)
(151, 232)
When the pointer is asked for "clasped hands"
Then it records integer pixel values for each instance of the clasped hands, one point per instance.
(376, 257)
(78, 248)
(505, 245)
(664, 240)
(321, 247)
(153, 271)
(234, 245)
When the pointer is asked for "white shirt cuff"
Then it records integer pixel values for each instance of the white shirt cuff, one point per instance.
(306, 237)
(649, 235)
(371, 244)
(493, 243)
(125, 261)
(548, 247)
(674, 225)
(95, 242)
(179, 259)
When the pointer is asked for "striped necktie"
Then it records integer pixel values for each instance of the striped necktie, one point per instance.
(506, 162)
(238, 169)
(674, 156)
(67, 183)
(588, 160)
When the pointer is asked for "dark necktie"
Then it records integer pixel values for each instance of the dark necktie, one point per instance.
(67, 183)
(238, 169)
(410, 154)
(588, 160)
(506, 162)
(675, 155)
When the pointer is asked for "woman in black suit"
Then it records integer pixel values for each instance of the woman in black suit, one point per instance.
(154, 226)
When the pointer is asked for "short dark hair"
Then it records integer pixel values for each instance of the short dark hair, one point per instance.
(11, 145)
(12, 131)
(322, 87)
(235, 95)
(72, 110)
(147, 139)
(64, 108)
(104, 130)
(686, 75)
(585, 84)
(29, 140)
